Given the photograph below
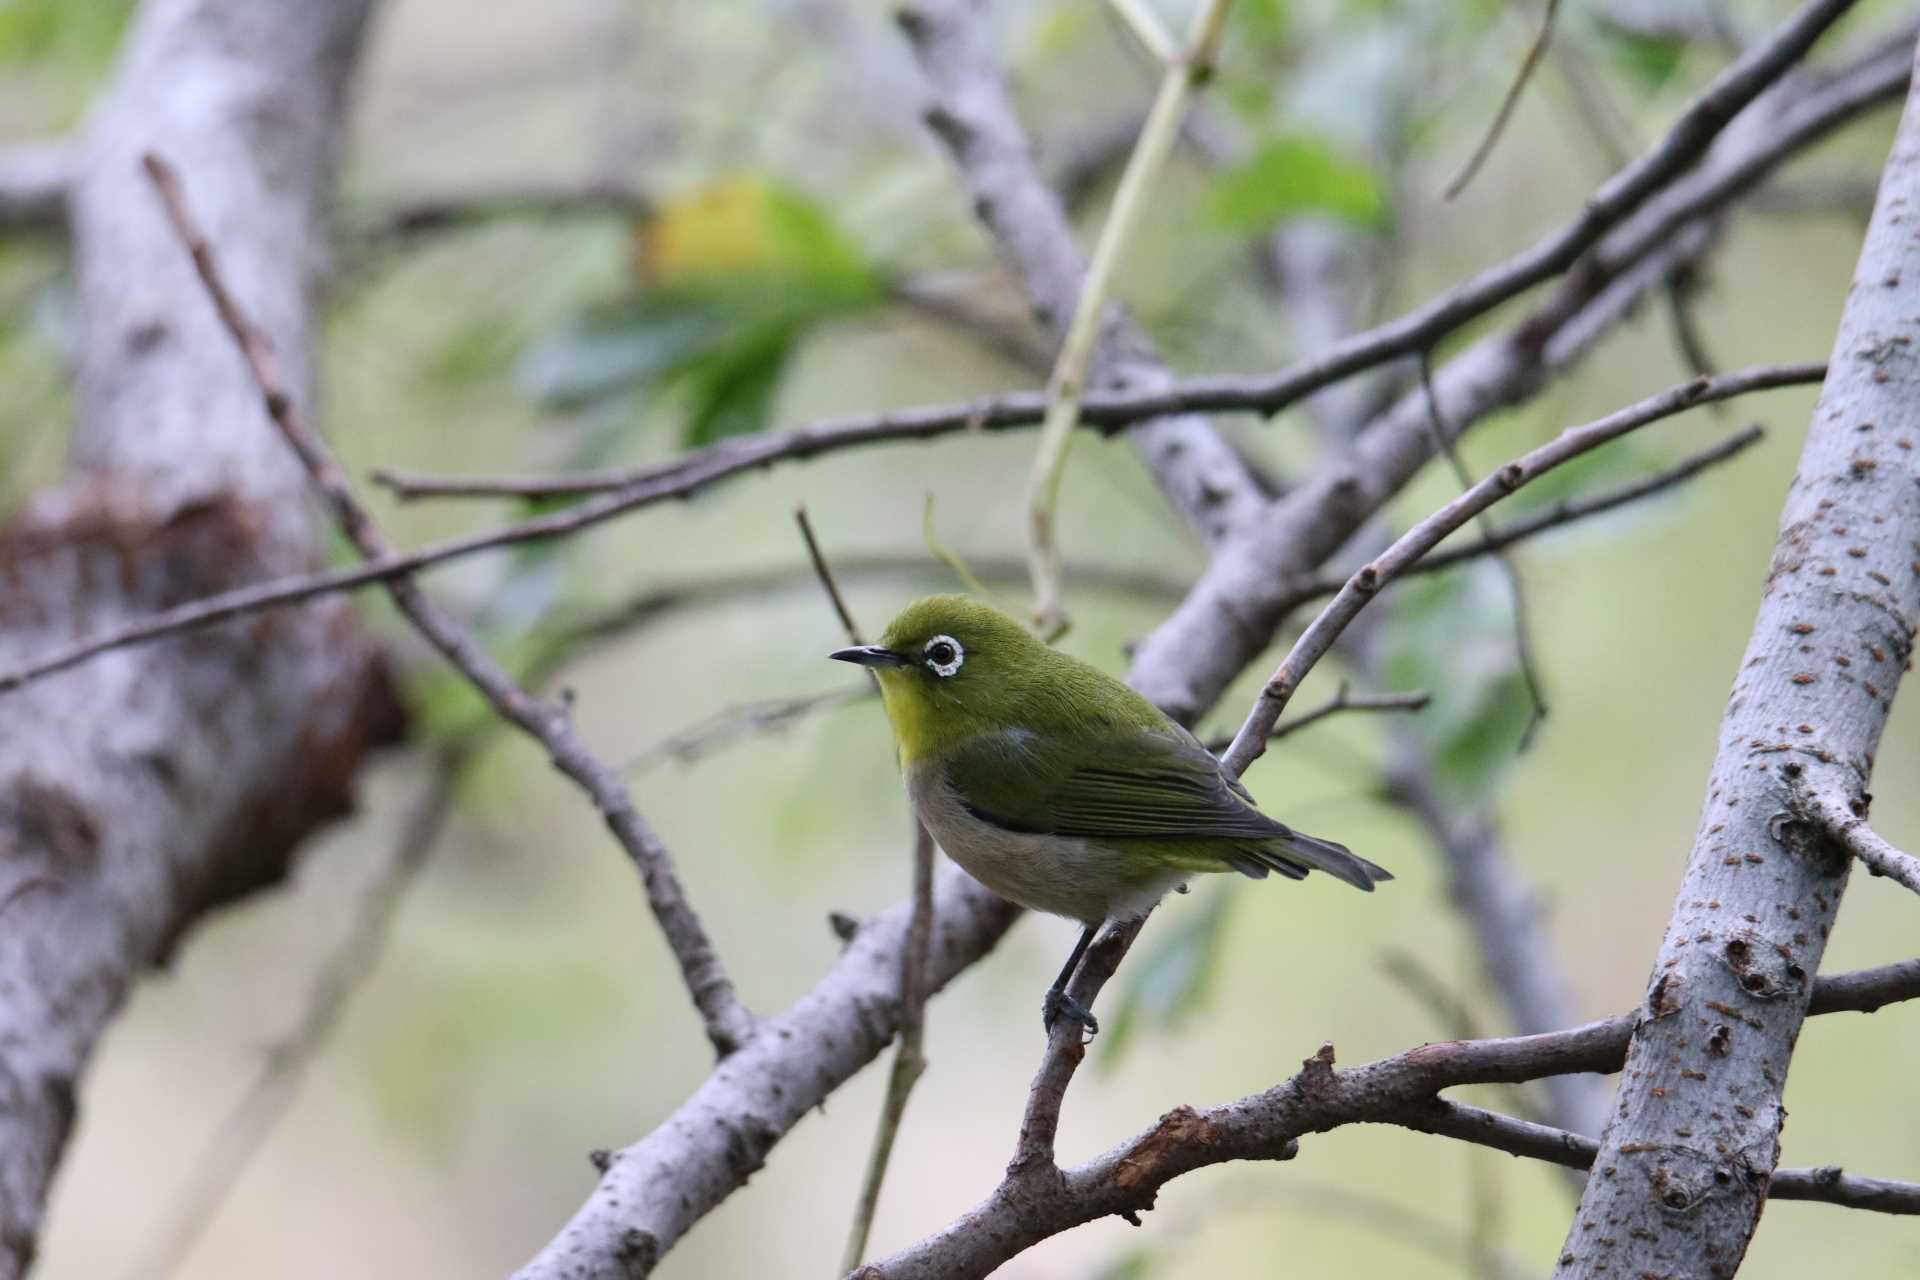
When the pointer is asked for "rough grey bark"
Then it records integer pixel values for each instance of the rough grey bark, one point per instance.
(1695, 1135)
(143, 789)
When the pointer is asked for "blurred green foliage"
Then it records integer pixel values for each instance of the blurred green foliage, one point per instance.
(729, 281)
(1291, 176)
(71, 35)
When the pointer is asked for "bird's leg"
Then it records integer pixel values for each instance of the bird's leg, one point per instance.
(1058, 1004)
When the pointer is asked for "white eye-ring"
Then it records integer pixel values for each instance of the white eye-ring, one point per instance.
(943, 655)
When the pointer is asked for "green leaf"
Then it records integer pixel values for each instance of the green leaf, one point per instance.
(733, 278)
(732, 388)
(1290, 176)
(1650, 60)
(1173, 978)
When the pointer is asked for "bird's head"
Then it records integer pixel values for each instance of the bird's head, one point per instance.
(951, 668)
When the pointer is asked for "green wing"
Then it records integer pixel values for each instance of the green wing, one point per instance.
(1123, 783)
(1133, 784)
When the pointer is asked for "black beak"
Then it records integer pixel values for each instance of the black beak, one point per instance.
(871, 655)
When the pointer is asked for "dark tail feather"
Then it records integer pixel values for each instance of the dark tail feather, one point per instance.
(1296, 851)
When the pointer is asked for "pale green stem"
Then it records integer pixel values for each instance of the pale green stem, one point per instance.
(1068, 383)
(910, 1060)
(1147, 28)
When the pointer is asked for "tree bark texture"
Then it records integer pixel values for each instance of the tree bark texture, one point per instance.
(1682, 1174)
(144, 788)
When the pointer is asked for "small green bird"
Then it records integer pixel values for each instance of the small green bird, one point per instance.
(1060, 788)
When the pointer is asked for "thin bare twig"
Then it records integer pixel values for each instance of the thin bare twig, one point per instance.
(1344, 700)
(1448, 445)
(727, 1022)
(1565, 512)
(453, 211)
(1145, 26)
(1365, 583)
(910, 1059)
(729, 725)
(822, 572)
(1067, 384)
(1535, 51)
(282, 592)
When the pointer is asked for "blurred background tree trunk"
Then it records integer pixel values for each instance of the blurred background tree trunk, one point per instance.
(140, 791)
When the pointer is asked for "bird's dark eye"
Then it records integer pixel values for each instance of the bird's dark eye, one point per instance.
(943, 655)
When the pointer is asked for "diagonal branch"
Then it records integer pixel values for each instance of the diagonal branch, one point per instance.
(653, 1191)
(280, 593)
(1040, 1122)
(1318, 638)
(1248, 588)
(1567, 511)
(727, 1022)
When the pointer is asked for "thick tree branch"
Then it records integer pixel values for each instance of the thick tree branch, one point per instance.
(1036, 1202)
(1695, 1129)
(728, 1024)
(653, 1191)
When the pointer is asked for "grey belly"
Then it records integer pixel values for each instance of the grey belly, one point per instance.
(1062, 876)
